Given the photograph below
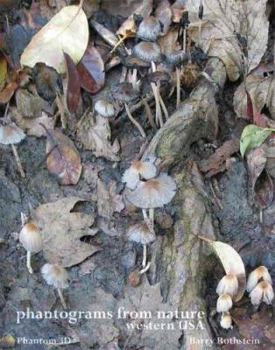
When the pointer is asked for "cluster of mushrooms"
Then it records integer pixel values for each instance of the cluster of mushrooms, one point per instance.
(259, 287)
(146, 189)
(31, 239)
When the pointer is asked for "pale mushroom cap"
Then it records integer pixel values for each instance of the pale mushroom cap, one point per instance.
(11, 134)
(154, 193)
(30, 238)
(256, 275)
(55, 275)
(131, 176)
(224, 303)
(226, 321)
(228, 285)
(105, 108)
(141, 233)
(262, 292)
(147, 51)
(149, 29)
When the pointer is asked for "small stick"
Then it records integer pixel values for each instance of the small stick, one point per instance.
(149, 113)
(18, 161)
(61, 298)
(136, 123)
(29, 262)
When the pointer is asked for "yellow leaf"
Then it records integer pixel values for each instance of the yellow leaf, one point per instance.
(67, 31)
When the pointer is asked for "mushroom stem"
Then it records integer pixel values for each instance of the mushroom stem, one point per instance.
(184, 40)
(59, 291)
(178, 86)
(134, 79)
(144, 255)
(166, 114)
(136, 123)
(151, 216)
(159, 120)
(29, 262)
(18, 161)
(145, 269)
(123, 74)
(145, 216)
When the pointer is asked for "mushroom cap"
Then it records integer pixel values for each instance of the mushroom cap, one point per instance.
(256, 275)
(132, 62)
(176, 57)
(228, 285)
(124, 92)
(131, 176)
(154, 193)
(159, 77)
(148, 52)
(149, 29)
(224, 303)
(105, 108)
(30, 238)
(11, 134)
(141, 233)
(55, 275)
(262, 292)
(226, 321)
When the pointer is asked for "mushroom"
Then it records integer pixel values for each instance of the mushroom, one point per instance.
(224, 303)
(151, 194)
(263, 292)
(56, 276)
(30, 238)
(133, 65)
(149, 29)
(150, 52)
(145, 170)
(124, 93)
(260, 273)
(105, 108)
(10, 134)
(144, 234)
(226, 321)
(228, 285)
(175, 60)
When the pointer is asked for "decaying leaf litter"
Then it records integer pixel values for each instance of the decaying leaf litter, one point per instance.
(96, 109)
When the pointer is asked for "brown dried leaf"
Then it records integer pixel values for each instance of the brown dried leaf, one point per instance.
(217, 162)
(63, 160)
(3, 71)
(73, 87)
(91, 71)
(95, 134)
(108, 201)
(224, 23)
(8, 91)
(62, 230)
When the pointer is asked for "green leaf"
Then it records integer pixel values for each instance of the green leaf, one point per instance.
(252, 137)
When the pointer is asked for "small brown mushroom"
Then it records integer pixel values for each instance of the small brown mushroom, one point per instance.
(145, 170)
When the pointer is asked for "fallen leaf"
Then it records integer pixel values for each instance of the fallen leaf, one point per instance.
(73, 87)
(108, 201)
(67, 32)
(232, 264)
(105, 33)
(231, 30)
(62, 230)
(216, 163)
(256, 161)
(95, 134)
(91, 71)
(270, 156)
(29, 105)
(8, 91)
(252, 137)
(129, 25)
(63, 158)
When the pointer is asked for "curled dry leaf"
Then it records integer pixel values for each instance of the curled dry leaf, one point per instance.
(91, 71)
(231, 30)
(73, 86)
(95, 134)
(232, 264)
(63, 158)
(62, 230)
(67, 31)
